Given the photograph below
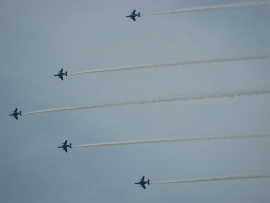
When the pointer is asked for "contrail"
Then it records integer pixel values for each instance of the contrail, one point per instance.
(214, 179)
(183, 98)
(250, 5)
(175, 64)
(172, 140)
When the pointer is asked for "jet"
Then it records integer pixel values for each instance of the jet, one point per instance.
(15, 114)
(133, 15)
(65, 146)
(142, 182)
(61, 74)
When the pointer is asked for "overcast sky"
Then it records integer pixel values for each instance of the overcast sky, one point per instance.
(38, 38)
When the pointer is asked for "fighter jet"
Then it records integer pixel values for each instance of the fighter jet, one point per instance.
(133, 15)
(15, 114)
(61, 74)
(142, 182)
(65, 146)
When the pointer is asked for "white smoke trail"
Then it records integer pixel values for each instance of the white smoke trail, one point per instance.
(215, 179)
(231, 6)
(183, 98)
(172, 140)
(175, 64)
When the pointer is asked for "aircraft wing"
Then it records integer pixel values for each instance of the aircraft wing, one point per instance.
(61, 71)
(134, 11)
(143, 187)
(61, 77)
(134, 18)
(16, 117)
(65, 149)
(143, 178)
(65, 142)
(15, 110)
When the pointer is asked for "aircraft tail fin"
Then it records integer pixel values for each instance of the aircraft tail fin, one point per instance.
(66, 73)
(148, 182)
(20, 113)
(139, 14)
(70, 145)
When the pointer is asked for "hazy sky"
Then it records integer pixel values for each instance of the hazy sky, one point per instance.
(38, 38)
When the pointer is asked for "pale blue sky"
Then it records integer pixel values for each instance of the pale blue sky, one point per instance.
(37, 39)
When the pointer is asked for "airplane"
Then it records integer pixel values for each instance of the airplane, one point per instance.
(65, 146)
(61, 74)
(15, 114)
(133, 15)
(142, 182)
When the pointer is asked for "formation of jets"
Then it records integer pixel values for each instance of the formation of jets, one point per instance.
(61, 74)
(65, 146)
(133, 15)
(142, 182)
(15, 114)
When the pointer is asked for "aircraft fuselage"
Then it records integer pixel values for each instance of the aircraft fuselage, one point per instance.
(132, 16)
(60, 74)
(14, 114)
(142, 182)
(65, 146)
